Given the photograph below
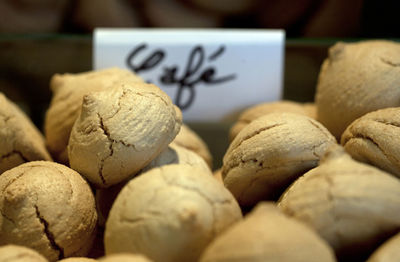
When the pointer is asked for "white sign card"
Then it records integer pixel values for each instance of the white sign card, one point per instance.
(210, 74)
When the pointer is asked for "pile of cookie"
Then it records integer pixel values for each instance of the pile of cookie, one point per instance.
(116, 165)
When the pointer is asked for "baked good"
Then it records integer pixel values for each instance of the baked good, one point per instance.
(270, 153)
(77, 259)
(284, 106)
(120, 130)
(187, 138)
(48, 207)
(375, 138)
(173, 211)
(68, 91)
(266, 234)
(355, 79)
(353, 206)
(389, 251)
(14, 253)
(174, 154)
(20, 140)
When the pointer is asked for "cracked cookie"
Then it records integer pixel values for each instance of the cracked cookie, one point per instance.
(266, 234)
(68, 91)
(120, 130)
(20, 140)
(14, 253)
(174, 154)
(355, 79)
(124, 257)
(173, 212)
(389, 251)
(270, 153)
(375, 138)
(48, 207)
(353, 206)
(189, 139)
(254, 112)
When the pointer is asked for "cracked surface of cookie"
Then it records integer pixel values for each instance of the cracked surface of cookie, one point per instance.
(355, 79)
(173, 211)
(270, 153)
(353, 206)
(120, 130)
(20, 140)
(47, 207)
(174, 154)
(375, 139)
(254, 112)
(389, 251)
(68, 91)
(189, 139)
(266, 234)
(14, 253)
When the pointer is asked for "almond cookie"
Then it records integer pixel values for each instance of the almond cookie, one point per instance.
(68, 91)
(173, 212)
(120, 130)
(266, 234)
(256, 111)
(174, 154)
(270, 153)
(48, 207)
(13, 253)
(375, 139)
(388, 251)
(189, 139)
(20, 140)
(355, 79)
(353, 206)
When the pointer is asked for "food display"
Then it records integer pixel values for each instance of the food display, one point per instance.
(131, 181)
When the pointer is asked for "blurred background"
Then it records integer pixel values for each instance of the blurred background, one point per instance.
(39, 38)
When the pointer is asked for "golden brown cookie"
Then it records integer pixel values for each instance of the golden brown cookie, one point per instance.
(375, 139)
(189, 139)
(266, 234)
(353, 206)
(14, 253)
(173, 211)
(174, 154)
(254, 112)
(68, 91)
(48, 207)
(270, 153)
(120, 130)
(20, 140)
(355, 79)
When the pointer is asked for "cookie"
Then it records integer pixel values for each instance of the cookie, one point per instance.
(120, 131)
(48, 207)
(266, 234)
(353, 206)
(375, 138)
(173, 211)
(270, 153)
(68, 91)
(355, 79)
(285, 106)
(20, 140)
